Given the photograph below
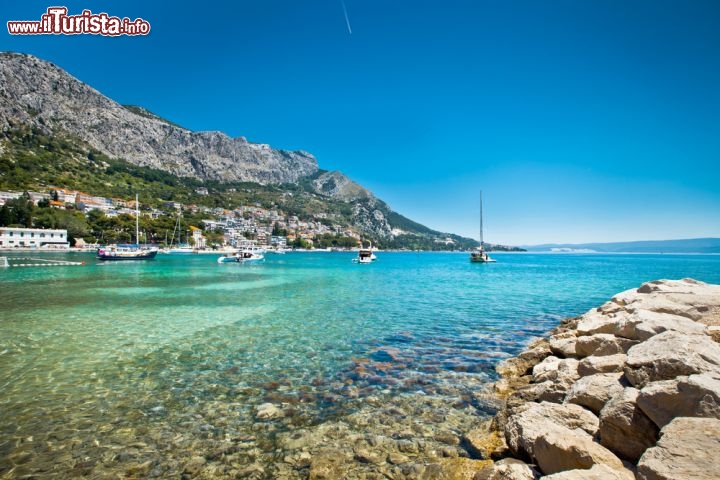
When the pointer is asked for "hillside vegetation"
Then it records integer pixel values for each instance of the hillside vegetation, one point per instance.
(32, 160)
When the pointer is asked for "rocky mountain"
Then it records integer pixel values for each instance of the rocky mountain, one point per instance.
(37, 93)
(38, 99)
(369, 213)
(337, 185)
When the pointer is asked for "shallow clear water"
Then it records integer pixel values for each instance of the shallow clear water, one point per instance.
(108, 364)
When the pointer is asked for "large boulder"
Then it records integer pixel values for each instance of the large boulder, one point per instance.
(688, 449)
(624, 428)
(693, 396)
(508, 469)
(643, 324)
(602, 344)
(524, 427)
(594, 391)
(669, 355)
(553, 376)
(687, 298)
(564, 370)
(547, 391)
(563, 344)
(597, 472)
(598, 321)
(546, 369)
(601, 364)
(558, 449)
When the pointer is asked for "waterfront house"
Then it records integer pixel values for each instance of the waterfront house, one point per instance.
(33, 238)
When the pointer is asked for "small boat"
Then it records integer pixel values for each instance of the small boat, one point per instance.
(242, 256)
(247, 253)
(365, 255)
(479, 255)
(128, 251)
(178, 248)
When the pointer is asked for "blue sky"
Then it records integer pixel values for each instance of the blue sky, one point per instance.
(580, 121)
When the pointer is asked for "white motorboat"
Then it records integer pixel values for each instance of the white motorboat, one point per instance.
(246, 253)
(365, 255)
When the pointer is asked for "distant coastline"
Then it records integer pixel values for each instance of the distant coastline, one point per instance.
(690, 245)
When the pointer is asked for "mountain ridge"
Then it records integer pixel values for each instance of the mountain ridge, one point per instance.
(39, 98)
(40, 94)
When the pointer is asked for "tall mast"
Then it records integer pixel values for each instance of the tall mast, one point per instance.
(481, 221)
(137, 221)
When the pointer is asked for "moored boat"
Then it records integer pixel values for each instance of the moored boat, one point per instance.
(247, 253)
(365, 255)
(128, 251)
(479, 255)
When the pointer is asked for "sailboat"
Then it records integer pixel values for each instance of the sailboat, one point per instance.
(180, 248)
(479, 255)
(128, 251)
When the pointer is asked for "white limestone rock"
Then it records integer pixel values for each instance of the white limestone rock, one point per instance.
(597, 321)
(643, 324)
(524, 427)
(556, 369)
(563, 344)
(688, 449)
(558, 449)
(597, 472)
(624, 428)
(693, 396)
(601, 364)
(594, 391)
(602, 344)
(511, 469)
(687, 298)
(669, 355)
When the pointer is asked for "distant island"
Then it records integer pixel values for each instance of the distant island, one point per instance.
(691, 245)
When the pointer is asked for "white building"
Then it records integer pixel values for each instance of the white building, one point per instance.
(11, 237)
(5, 196)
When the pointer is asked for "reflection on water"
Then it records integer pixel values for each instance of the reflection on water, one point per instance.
(181, 366)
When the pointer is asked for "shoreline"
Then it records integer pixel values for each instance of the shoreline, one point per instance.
(625, 391)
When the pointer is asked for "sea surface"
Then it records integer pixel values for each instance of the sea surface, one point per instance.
(138, 369)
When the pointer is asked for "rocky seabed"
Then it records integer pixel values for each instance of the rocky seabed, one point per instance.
(630, 390)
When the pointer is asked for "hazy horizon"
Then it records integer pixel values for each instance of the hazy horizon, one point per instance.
(588, 122)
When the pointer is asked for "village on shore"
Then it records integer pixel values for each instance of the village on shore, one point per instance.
(265, 227)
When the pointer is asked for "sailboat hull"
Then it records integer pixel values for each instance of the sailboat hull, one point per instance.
(119, 254)
(479, 258)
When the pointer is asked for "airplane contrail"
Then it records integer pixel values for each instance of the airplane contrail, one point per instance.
(347, 20)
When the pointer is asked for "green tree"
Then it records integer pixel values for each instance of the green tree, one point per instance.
(21, 211)
(6, 216)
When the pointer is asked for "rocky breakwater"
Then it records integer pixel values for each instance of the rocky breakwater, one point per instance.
(630, 390)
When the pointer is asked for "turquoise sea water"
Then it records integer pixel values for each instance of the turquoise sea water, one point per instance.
(108, 366)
